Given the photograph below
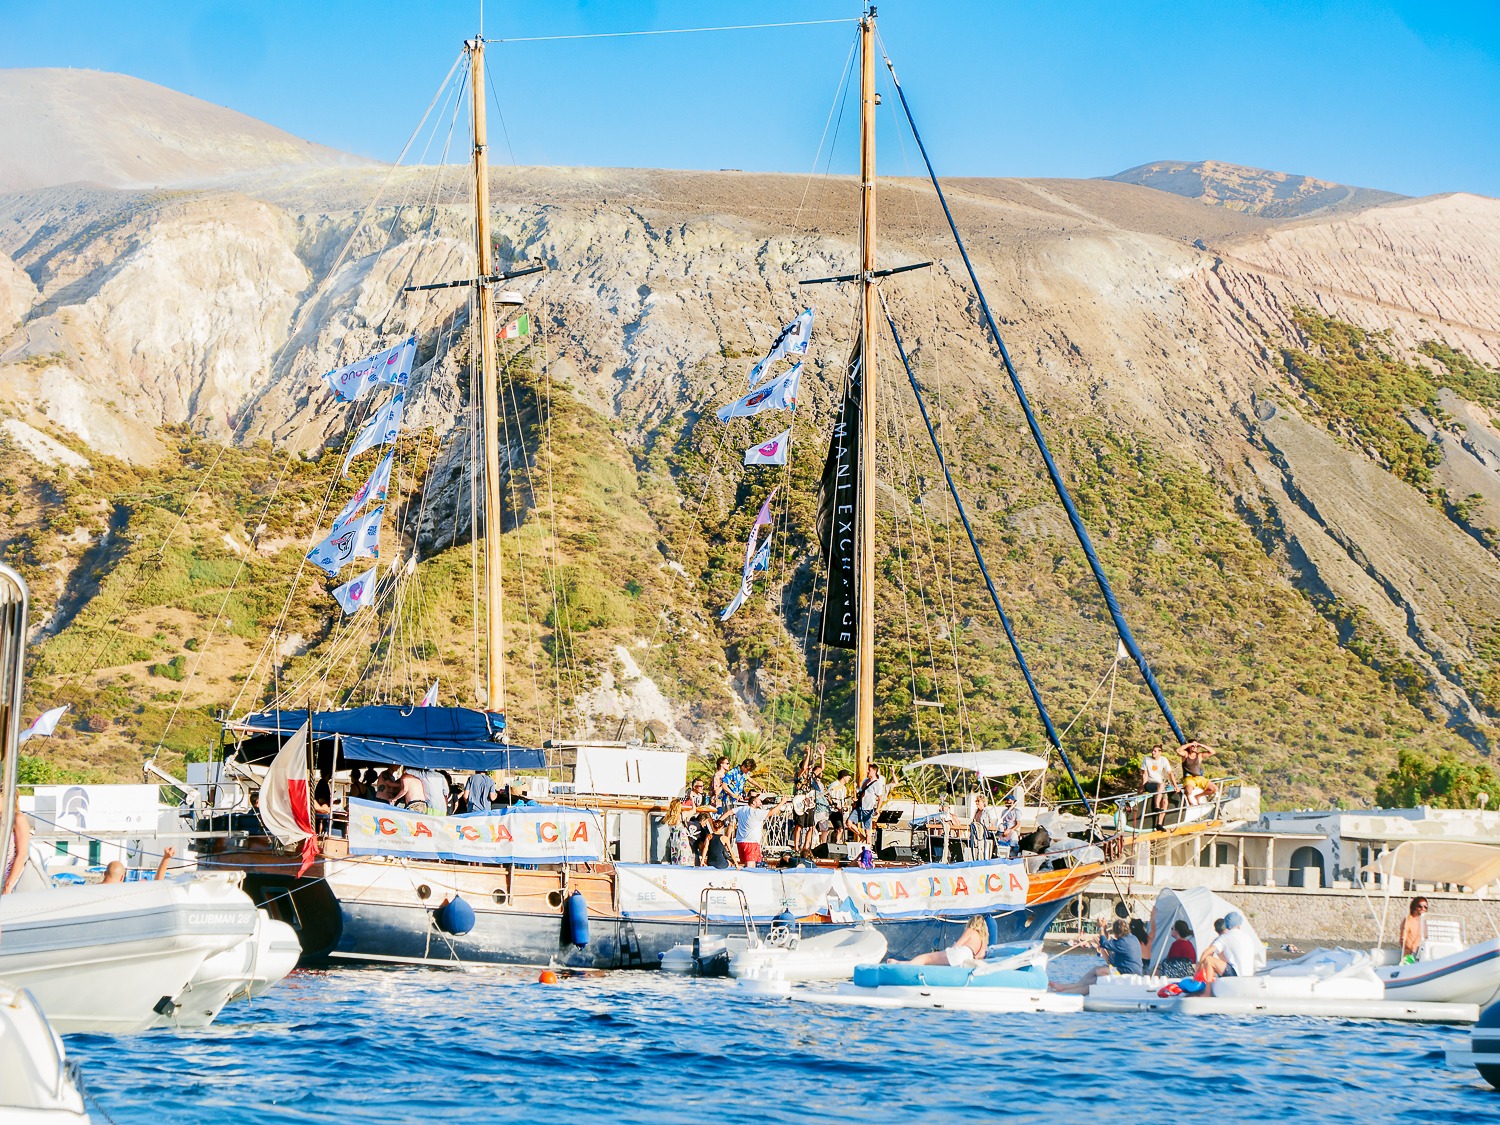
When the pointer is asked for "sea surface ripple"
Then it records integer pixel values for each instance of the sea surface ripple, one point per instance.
(402, 1046)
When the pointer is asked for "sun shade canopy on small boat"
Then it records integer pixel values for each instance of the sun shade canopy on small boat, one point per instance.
(452, 738)
(985, 763)
(1475, 866)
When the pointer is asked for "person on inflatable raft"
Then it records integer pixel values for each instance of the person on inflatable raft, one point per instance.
(1231, 954)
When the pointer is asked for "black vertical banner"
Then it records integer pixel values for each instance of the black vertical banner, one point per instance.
(838, 503)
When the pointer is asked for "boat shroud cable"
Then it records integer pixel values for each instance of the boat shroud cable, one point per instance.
(1058, 485)
(1005, 622)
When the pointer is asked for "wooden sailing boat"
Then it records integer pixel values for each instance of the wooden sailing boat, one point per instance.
(388, 891)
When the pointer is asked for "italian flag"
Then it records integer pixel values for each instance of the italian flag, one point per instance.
(517, 328)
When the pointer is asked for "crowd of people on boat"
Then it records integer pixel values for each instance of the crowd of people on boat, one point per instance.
(721, 821)
(431, 792)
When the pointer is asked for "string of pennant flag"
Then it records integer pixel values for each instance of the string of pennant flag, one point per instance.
(779, 393)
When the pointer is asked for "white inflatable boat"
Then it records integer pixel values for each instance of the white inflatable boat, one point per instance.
(1469, 974)
(1338, 983)
(787, 956)
(1013, 978)
(36, 1083)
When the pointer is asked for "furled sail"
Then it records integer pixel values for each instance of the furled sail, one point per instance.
(838, 501)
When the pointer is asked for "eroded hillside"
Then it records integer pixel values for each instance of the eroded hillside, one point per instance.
(1309, 602)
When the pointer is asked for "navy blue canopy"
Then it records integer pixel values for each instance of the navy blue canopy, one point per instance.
(452, 738)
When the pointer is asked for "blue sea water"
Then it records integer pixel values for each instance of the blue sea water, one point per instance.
(401, 1046)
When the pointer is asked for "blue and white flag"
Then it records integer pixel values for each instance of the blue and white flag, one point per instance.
(374, 488)
(772, 451)
(357, 540)
(381, 429)
(739, 600)
(792, 340)
(392, 366)
(757, 556)
(762, 558)
(780, 393)
(353, 595)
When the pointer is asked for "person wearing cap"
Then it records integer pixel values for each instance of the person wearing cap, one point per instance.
(1234, 952)
(1009, 832)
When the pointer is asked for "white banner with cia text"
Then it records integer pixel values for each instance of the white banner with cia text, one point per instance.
(525, 834)
(947, 889)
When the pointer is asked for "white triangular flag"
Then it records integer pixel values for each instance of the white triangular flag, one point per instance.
(374, 488)
(430, 698)
(392, 366)
(45, 723)
(353, 594)
(771, 452)
(357, 540)
(780, 392)
(791, 340)
(739, 600)
(381, 429)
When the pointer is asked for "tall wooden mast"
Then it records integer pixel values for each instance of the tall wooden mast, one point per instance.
(494, 670)
(864, 730)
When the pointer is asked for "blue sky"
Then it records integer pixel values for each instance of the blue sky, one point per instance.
(1394, 94)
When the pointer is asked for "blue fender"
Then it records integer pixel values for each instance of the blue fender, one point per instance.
(575, 920)
(454, 917)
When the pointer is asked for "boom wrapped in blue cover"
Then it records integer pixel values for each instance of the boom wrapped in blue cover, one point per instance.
(452, 738)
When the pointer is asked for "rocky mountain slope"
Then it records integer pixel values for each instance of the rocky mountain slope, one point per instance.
(1312, 571)
(75, 126)
(1274, 195)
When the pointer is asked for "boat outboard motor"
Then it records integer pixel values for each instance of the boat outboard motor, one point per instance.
(455, 916)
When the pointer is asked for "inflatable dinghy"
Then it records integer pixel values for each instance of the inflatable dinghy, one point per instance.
(1013, 978)
(827, 956)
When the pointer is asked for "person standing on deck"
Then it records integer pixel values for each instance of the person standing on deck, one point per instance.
(1413, 930)
(717, 794)
(806, 788)
(481, 791)
(867, 802)
(15, 851)
(1156, 777)
(750, 828)
(1009, 834)
(838, 806)
(737, 781)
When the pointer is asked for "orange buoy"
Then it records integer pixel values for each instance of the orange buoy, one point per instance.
(547, 977)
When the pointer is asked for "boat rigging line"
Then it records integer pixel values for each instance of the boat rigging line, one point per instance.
(1010, 632)
(670, 31)
(1059, 486)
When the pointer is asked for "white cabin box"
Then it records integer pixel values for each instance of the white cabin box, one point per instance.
(629, 771)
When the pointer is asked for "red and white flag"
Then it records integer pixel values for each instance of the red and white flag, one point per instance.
(430, 699)
(285, 801)
(772, 452)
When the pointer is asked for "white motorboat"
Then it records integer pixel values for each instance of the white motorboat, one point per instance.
(1447, 969)
(1470, 974)
(244, 970)
(1012, 978)
(787, 956)
(119, 958)
(37, 1085)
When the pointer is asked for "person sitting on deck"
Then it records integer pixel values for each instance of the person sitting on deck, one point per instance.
(697, 794)
(1121, 953)
(970, 947)
(114, 873)
(1182, 956)
(1196, 787)
(1414, 930)
(1156, 777)
(717, 849)
(1232, 953)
